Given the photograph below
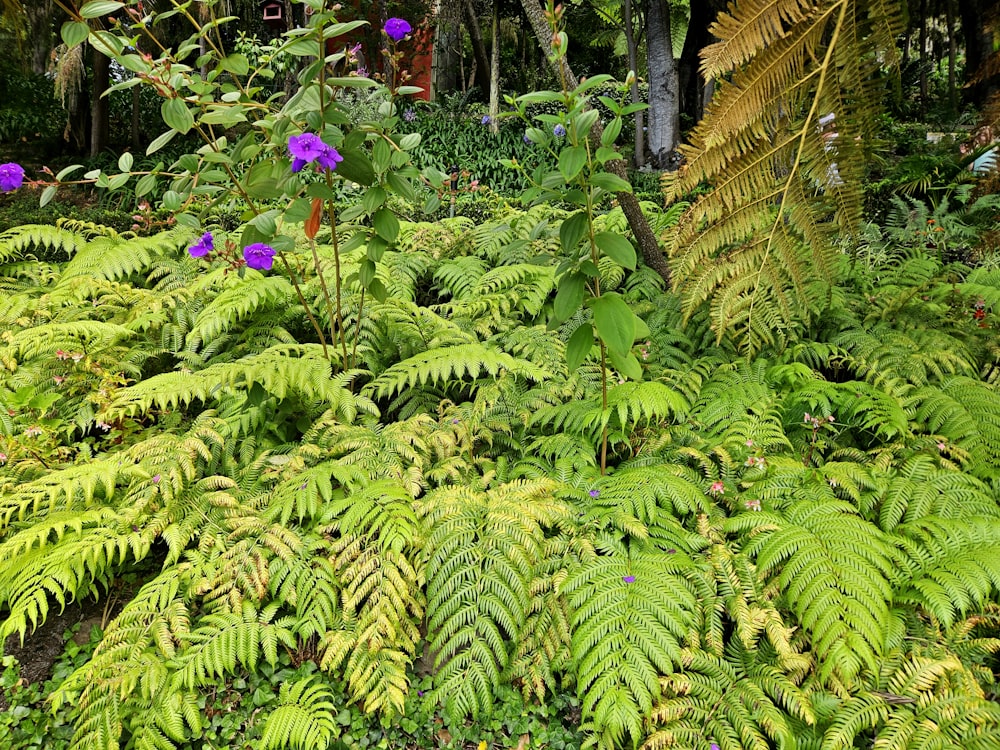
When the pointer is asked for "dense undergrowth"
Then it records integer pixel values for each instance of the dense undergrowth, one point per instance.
(794, 550)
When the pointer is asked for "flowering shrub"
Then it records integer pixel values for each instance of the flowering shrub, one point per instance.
(264, 167)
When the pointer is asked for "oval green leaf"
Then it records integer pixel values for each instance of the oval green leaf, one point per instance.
(615, 323)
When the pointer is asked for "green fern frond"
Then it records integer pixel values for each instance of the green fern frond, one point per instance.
(451, 363)
(483, 548)
(303, 720)
(15, 242)
(737, 698)
(835, 571)
(630, 618)
(239, 301)
(280, 371)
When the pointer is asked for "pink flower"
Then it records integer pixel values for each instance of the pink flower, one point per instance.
(752, 504)
(33, 431)
(717, 488)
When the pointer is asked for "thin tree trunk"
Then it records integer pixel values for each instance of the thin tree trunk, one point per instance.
(99, 104)
(495, 71)
(652, 254)
(478, 48)
(923, 58)
(952, 58)
(633, 65)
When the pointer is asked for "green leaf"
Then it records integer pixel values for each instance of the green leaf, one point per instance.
(628, 365)
(378, 290)
(96, 8)
(611, 132)
(177, 115)
(356, 167)
(386, 225)
(74, 33)
(299, 210)
(617, 248)
(236, 64)
(615, 323)
(409, 141)
(47, 195)
(571, 161)
(366, 272)
(569, 297)
(160, 141)
(572, 229)
(610, 182)
(125, 162)
(579, 346)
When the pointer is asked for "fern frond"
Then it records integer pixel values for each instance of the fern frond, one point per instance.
(304, 718)
(631, 616)
(450, 363)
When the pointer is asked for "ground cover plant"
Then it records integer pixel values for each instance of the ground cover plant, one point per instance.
(444, 483)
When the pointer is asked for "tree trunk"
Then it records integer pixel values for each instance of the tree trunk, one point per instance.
(652, 254)
(40, 37)
(495, 71)
(695, 90)
(664, 109)
(99, 104)
(978, 48)
(633, 65)
(952, 58)
(923, 58)
(478, 48)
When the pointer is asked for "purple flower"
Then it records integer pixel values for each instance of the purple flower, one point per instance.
(558, 131)
(308, 148)
(330, 158)
(203, 246)
(714, 746)
(409, 115)
(485, 120)
(11, 176)
(628, 579)
(156, 479)
(259, 256)
(594, 494)
(525, 138)
(396, 28)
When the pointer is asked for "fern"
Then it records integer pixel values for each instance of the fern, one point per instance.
(838, 586)
(382, 599)
(761, 148)
(631, 616)
(483, 547)
(303, 720)
(472, 360)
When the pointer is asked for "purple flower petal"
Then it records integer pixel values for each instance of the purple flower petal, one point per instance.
(485, 120)
(330, 158)
(203, 246)
(298, 163)
(628, 579)
(558, 131)
(307, 146)
(259, 256)
(11, 176)
(396, 28)
(594, 494)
